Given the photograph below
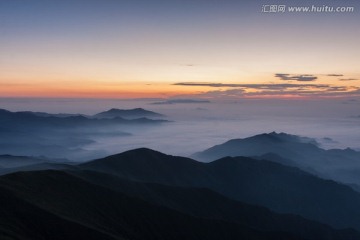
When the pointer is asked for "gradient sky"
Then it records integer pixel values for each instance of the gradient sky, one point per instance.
(173, 48)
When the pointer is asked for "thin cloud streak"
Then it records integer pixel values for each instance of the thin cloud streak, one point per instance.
(261, 90)
(335, 75)
(255, 86)
(180, 101)
(236, 93)
(300, 78)
(348, 79)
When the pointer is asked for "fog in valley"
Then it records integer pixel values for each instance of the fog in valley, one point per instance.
(192, 126)
(253, 150)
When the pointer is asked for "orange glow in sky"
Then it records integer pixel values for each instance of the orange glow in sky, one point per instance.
(133, 50)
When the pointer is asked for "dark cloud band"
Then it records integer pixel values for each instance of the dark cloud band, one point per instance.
(300, 78)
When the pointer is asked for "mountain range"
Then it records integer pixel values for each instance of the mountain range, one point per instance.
(144, 194)
(341, 165)
(55, 120)
(67, 135)
(278, 187)
(11, 164)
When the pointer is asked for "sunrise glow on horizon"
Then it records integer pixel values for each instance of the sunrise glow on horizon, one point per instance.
(164, 49)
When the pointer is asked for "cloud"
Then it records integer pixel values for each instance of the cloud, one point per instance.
(348, 79)
(188, 65)
(300, 78)
(176, 101)
(335, 75)
(253, 86)
(284, 89)
(234, 93)
(207, 84)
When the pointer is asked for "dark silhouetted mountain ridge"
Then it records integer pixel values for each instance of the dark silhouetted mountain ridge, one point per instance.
(281, 188)
(110, 213)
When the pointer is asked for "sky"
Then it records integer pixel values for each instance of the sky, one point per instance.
(213, 49)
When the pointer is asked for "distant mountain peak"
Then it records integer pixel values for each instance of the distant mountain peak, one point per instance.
(142, 150)
(123, 110)
(337, 164)
(137, 154)
(268, 137)
(286, 137)
(128, 113)
(283, 144)
(271, 136)
(151, 161)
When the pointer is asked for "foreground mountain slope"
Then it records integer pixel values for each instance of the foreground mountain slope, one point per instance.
(121, 208)
(275, 186)
(20, 219)
(204, 203)
(112, 213)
